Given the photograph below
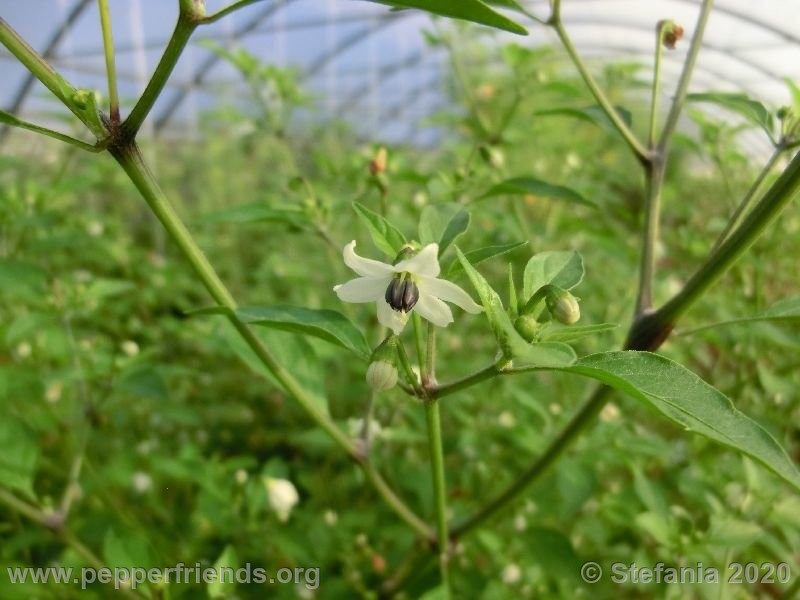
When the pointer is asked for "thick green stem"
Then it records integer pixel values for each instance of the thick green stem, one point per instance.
(111, 69)
(654, 175)
(37, 65)
(749, 196)
(180, 37)
(785, 188)
(433, 422)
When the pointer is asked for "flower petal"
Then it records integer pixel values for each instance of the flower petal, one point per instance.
(366, 267)
(449, 292)
(362, 289)
(434, 310)
(393, 319)
(425, 263)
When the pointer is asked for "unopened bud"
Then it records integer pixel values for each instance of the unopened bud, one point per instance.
(527, 326)
(382, 372)
(381, 376)
(563, 306)
(494, 157)
(672, 33)
(378, 164)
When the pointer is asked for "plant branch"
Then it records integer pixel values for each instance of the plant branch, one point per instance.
(630, 138)
(111, 69)
(177, 42)
(433, 422)
(130, 159)
(654, 180)
(10, 119)
(651, 136)
(748, 197)
(226, 11)
(686, 76)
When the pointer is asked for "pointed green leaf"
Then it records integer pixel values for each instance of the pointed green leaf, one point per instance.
(468, 10)
(752, 110)
(552, 354)
(564, 269)
(689, 401)
(442, 224)
(386, 236)
(224, 587)
(590, 114)
(19, 454)
(787, 310)
(476, 257)
(576, 332)
(259, 212)
(328, 325)
(537, 187)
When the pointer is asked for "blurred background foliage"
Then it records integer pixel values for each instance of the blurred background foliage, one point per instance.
(100, 362)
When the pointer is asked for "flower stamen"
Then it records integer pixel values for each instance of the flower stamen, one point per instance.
(402, 294)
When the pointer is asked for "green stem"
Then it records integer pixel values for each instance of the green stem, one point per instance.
(226, 11)
(748, 197)
(433, 422)
(654, 175)
(405, 364)
(130, 160)
(768, 208)
(686, 76)
(37, 65)
(420, 343)
(577, 424)
(629, 137)
(651, 136)
(27, 510)
(10, 119)
(429, 373)
(180, 37)
(111, 69)
(392, 500)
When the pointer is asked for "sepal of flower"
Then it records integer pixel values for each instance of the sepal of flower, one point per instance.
(411, 284)
(382, 370)
(562, 305)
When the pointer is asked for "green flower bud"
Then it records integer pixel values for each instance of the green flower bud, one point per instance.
(382, 372)
(527, 326)
(562, 305)
(381, 376)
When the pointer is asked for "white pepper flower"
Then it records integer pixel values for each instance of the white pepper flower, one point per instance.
(411, 284)
(282, 496)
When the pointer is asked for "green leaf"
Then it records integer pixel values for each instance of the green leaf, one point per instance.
(290, 349)
(689, 401)
(575, 332)
(19, 454)
(442, 224)
(512, 344)
(259, 212)
(752, 110)
(386, 236)
(476, 257)
(590, 114)
(327, 325)
(787, 310)
(127, 550)
(564, 269)
(529, 185)
(468, 10)
(223, 587)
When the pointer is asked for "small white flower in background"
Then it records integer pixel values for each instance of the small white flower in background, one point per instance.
(24, 350)
(609, 413)
(520, 523)
(506, 419)
(142, 482)
(511, 574)
(53, 393)
(95, 229)
(355, 428)
(130, 348)
(555, 409)
(240, 476)
(331, 517)
(411, 284)
(282, 496)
